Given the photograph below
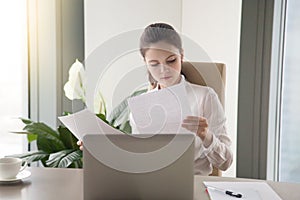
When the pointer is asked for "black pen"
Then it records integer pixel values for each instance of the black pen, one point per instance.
(228, 192)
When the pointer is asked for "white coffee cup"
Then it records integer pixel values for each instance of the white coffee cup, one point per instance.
(10, 167)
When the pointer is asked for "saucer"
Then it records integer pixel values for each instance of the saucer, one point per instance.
(22, 175)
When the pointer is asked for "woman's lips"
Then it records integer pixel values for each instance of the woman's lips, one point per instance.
(166, 77)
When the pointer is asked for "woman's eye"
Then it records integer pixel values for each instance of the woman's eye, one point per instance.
(153, 64)
(171, 61)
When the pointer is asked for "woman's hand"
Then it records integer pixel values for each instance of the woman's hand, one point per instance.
(197, 125)
(79, 143)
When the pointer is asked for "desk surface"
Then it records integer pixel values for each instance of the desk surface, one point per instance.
(50, 183)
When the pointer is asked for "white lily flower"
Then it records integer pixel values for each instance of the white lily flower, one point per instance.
(99, 104)
(75, 87)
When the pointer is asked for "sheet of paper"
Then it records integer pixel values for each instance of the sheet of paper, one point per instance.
(249, 190)
(85, 122)
(160, 111)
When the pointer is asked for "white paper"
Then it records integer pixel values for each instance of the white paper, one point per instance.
(249, 190)
(160, 111)
(85, 122)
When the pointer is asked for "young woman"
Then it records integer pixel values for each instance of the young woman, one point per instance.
(161, 48)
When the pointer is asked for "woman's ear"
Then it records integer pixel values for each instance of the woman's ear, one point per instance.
(145, 62)
(181, 55)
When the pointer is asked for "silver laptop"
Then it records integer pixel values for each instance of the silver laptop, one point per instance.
(120, 166)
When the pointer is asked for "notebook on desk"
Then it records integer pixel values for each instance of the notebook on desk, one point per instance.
(120, 166)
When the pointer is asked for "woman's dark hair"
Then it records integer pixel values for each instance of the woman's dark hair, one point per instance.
(158, 32)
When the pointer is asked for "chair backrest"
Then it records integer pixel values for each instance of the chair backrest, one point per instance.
(207, 74)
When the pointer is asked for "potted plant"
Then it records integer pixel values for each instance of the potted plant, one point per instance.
(58, 148)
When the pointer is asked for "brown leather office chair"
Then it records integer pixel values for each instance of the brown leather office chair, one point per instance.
(207, 74)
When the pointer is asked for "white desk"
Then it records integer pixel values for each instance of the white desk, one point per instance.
(50, 183)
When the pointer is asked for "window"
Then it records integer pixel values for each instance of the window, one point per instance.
(13, 76)
(289, 152)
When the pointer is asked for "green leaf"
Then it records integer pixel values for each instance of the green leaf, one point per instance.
(55, 158)
(40, 128)
(77, 164)
(63, 158)
(67, 160)
(43, 161)
(49, 144)
(125, 127)
(117, 112)
(120, 114)
(103, 117)
(26, 121)
(123, 115)
(31, 156)
(48, 140)
(138, 92)
(31, 137)
(67, 138)
(65, 113)
(60, 145)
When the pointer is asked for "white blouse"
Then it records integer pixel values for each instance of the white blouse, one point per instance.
(215, 149)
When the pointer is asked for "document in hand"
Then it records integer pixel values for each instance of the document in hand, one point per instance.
(85, 122)
(160, 111)
(248, 190)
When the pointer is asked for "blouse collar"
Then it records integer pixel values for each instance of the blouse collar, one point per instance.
(182, 81)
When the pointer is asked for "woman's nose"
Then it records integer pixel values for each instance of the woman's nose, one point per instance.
(163, 68)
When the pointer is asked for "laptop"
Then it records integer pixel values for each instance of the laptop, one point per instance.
(121, 166)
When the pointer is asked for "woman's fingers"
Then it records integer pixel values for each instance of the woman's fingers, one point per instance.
(193, 127)
(79, 143)
(201, 124)
(197, 125)
(195, 120)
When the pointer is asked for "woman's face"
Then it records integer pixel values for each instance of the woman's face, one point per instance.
(164, 63)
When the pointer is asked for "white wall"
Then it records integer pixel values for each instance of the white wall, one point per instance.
(110, 18)
(214, 25)
(107, 18)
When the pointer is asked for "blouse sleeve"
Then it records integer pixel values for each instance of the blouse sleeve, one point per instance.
(216, 146)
